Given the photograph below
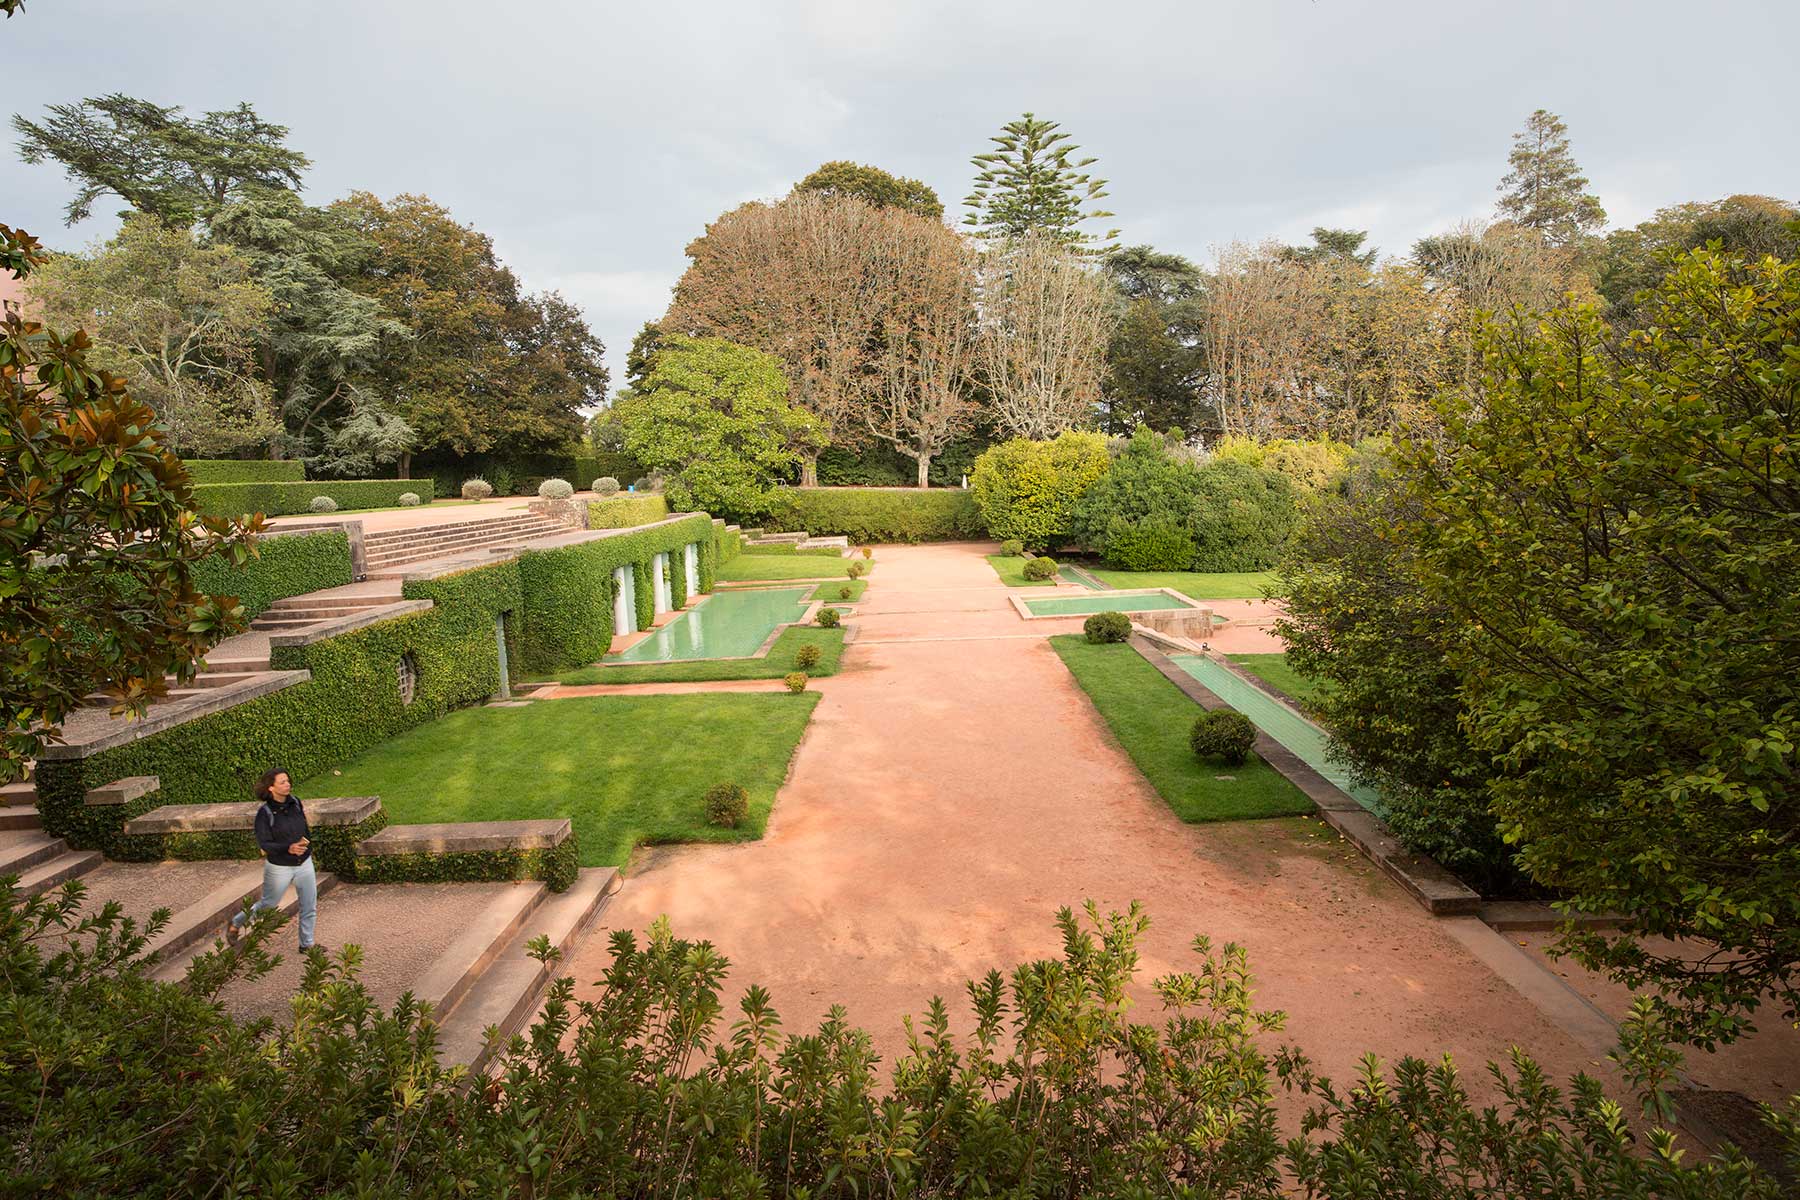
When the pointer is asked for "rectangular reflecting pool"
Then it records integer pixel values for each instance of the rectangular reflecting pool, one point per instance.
(729, 624)
(1079, 606)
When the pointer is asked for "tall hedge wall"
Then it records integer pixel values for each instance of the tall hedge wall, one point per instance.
(232, 470)
(283, 499)
(589, 467)
(283, 566)
(879, 514)
(627, 512)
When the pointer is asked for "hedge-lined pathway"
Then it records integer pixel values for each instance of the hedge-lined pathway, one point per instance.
(956, 787)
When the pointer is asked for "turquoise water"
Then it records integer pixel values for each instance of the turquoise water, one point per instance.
(1306, 740)
(1074, 576)
(1075, 606)
(731, 624)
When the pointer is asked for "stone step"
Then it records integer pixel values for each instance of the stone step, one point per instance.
(238, 815)
(424, 553)
(415, 542)
(466, 837)
(20, 816)
(213, 679)
(324, 612)
(488, 930)
(283, 624)
(507, 994)
(202, 924)
(22, 792)
(769, 539)
(64, 867)
(382, 536)
(239, 666)
(21, 850)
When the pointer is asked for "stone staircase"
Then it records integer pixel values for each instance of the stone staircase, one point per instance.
(390, 551)
(40, 861)
(300, 612)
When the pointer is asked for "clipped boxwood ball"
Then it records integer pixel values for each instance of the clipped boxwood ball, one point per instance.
(477, 489)
(1040, 568)
(606, 485)
(323, 504)
(1107, 627)
(808, 657)
(829, 617)
(409, 499)
(1224, 734)
(555, 489)
(727, 804)
(1012, 548)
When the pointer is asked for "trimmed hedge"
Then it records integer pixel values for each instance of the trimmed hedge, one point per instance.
(290, 565)
(627, 511)
(232, 470)
(588, 467)
(556, 866)
(879, 514)
(282, 499)
(333, 845)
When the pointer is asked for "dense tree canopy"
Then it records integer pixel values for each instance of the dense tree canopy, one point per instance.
(1156, 356)
(1635, 260)
(873, 186)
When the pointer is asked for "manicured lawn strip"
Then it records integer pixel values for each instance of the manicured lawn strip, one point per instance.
(773, 665)
(1012, 572)
(1151, 719)
(628, 769)
(1273, 669)
(829, 591)
(1196, 585)
(746, 568)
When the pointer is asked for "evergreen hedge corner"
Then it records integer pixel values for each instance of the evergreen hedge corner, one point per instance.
(284, 499)
(204, 471)
(284, 566)
(557, 866)
(627, 511)
(879, 514)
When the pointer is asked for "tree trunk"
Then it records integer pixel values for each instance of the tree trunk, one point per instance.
(924, 469)
(809, 470)
(405, 463)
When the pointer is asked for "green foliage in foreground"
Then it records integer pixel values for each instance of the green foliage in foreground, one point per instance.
(750, 567)
(122, 1086)
(1152, 719)
(780, 659)
(629, 770)
(1012, 572)
(1196, 585)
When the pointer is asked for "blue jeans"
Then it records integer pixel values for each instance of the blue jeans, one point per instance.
(275, 885)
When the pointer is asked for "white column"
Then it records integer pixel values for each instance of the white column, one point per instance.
(690, 553)
(662, 595)
(624, 604)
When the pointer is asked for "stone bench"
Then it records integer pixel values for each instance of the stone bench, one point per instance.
(467, 837)
(325, 812)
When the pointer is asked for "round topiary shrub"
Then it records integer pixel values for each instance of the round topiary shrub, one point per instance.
(409, 499)
(868, 552)
(1012, 548)
(858, 569)
(477, 489)
(323, 504)
(1107, 627)
(642, 484)
(844, 593)
(808, 657)
(606, 485)
(727, 805)
(830, 617)
(555, 489)
(795, 680)
(1040, 568)
(1224, 734)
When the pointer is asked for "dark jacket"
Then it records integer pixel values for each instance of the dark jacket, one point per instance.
(279, 826)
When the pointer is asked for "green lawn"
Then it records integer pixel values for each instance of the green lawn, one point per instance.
(1273, 669)
(628, 769)
(1198, 585)
(1151, 718)
(773, 665)
(829, 591)
(1012, 571)
(746, 568)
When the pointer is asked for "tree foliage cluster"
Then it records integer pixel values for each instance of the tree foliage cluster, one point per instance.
(352, 335)
(655, 1088)
(1588, 570)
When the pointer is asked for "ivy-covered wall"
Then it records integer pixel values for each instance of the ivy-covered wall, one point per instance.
(283, 566)
(627, 512)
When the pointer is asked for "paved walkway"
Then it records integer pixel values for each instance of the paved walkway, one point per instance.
(956, 788)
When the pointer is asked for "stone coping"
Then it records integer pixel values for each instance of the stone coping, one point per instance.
(1441, 893)
(83, 738)
(353, 529)
(348, 623)
(122, 791)
(1187, 602)
(326, 811)
(467, 837)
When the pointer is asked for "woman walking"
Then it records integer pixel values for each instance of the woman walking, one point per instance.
(282, 832)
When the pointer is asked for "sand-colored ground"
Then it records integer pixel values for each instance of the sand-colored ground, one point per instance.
(957, 787)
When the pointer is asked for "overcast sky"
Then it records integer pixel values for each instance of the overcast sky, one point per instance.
(593, 140)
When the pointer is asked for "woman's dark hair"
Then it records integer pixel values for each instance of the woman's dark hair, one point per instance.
(267, 782)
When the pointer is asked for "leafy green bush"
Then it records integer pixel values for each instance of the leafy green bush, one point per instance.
(795, 681)
(611, 466)
(1224, 734)
(555, 489)
(830, 618)
(1040, 568)
(284, 565)
(878, 514)
(1242, 517)
(409, 500)
(477, 489)
(282, 499)
(845, 593)
(1140, 516)
(323, 504)
(503, 481)
(606, 487)
(232, 470)
(654, 1087)
(627, 512)
(727, 804)
(857, 569)
(868, 552)
(1012, 548)
(1313, 466)
(808, 657)
(1027, 490)
(1107, 627)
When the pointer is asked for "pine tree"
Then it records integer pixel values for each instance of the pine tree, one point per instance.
(1545, 190)
(1030, 184)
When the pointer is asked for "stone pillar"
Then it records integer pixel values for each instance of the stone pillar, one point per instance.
(661, 596)
(624, 602)
(690, 554)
